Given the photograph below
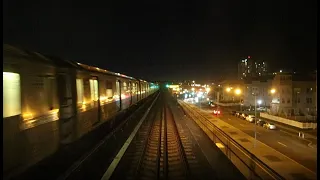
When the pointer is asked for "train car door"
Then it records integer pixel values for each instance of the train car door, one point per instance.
(67, 107)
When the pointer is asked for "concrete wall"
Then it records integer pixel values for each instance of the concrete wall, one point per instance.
(289, 122)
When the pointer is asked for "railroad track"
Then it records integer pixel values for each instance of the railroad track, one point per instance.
(157, 151)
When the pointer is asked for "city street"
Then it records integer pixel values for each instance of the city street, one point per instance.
(303, 151)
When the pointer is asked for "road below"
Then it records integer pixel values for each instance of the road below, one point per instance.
(303, 151)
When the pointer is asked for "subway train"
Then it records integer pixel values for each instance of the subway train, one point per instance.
(49, 102)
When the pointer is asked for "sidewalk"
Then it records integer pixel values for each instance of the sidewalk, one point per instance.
(283, 165)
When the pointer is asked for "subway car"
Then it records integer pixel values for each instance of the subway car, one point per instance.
(49, 102)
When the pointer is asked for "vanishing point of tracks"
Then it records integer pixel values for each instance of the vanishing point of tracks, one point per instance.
(157, 151)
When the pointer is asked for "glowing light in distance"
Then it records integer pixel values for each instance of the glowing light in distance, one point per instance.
(237, 91)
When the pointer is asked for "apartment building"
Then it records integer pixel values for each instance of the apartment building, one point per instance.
(294, 94)
(259, 90)
(229, 91)
(251, 68)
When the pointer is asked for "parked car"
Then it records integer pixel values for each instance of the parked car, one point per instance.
(243, 116)
(269, 126)
(261, 109)
(250, 109)
(250, 118)
(260, 122)
(238, 114)
(233, 113)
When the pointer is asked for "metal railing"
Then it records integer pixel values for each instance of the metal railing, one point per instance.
(248, 164)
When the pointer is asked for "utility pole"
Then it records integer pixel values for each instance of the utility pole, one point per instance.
(255, 116)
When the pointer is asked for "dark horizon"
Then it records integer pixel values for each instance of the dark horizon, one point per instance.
(162, 40)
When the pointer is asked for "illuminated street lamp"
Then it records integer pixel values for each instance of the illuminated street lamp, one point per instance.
(228, 89)
(273, 91)
(208, 89)
(192, 89)
(237, 91)
(259, 102)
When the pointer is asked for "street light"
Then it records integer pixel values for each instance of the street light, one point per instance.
(273, 91)
(228, 89)
(255, 117)
(259, 102)
(237, 91)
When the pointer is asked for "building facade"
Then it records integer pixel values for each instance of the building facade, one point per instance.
(259, 90)
(294, 95)
(229, 91)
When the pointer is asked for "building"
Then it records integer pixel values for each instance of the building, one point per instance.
(293, 94)
(260, 89)
(229, 91)
(250, 68)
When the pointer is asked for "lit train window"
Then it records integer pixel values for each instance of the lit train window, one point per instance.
(117, 88)
(109, 91)
(11, 94)
(80, 90)
(124, 86)
(94, 89)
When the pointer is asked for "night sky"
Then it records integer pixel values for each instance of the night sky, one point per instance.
(161, 40)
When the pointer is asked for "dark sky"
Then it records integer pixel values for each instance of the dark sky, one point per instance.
(158, 40)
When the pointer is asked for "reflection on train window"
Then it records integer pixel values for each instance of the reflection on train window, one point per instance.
(109, 92)
(94, 90)
(133, 88)
(124, 86)
(11, 94)
(80, 90)
(117, 88)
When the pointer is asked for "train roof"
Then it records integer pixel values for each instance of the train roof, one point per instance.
(19, 52)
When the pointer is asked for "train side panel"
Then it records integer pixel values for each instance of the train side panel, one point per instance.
(31, 130)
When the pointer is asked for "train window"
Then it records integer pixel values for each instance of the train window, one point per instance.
(133, 88)
(80, 90)
(117, 88)
(124, 86)
(11, 94)
(109, 89)
(94, 89)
